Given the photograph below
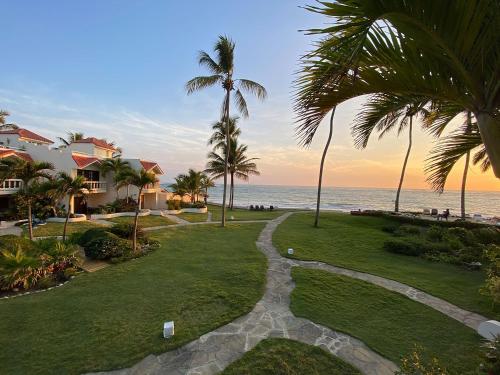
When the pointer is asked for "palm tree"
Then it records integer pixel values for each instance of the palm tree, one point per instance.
(206, 183)
(384, 112)
(71, 137)
(139, 179)
(119, 167)
(69, 186)
(410, 48)
(240, 166)
(29, 172)
(218, 137)
(190, 183)
(179, 186)
(3, 115)
(222, 70)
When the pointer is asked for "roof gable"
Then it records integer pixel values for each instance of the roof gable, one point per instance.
(101, 143)
(83, 161)
(150, 165)
(5, 153)
(27, 135)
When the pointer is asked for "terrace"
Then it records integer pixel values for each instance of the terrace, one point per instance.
(10, 186)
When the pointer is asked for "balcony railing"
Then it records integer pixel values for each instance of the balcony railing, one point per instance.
(151, 188)
(96, 186)
(10, 186)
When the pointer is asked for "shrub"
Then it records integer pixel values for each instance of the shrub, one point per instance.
(406, 247)
(46, 282)
(492, 285)
(416, 363)
(69, 273)
(487, 235)
(409, 229)
(192, 205)
(492, 356)
(90, 235)
(435, 233)
(106, 246)
(126, 230)
(10, 242)
(171, 204)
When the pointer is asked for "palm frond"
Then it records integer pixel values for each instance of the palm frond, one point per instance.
(241, 103)
(202, 82)
(252, 87)
(204, 59)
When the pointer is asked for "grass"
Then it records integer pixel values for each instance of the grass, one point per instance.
(356, 242)
(56, 229)
(287, 357)
(387, 322)
(201, 278)
(144, 221)
(239, 214)
(193, 217)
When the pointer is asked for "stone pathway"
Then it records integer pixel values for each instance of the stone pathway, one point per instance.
(176, 219)
(209, 217)
(271, 317)
(16, 231)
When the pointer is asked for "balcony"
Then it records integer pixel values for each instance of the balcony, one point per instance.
(10, 186)
(151, 188)
(96, 187)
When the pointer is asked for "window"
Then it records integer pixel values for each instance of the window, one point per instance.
(88, 175)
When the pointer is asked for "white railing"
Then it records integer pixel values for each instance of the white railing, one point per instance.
(96, 186)
(151, 187)
(10, 186)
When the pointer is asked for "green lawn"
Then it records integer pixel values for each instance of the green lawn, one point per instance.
(144, 221)
(56, 229)
(243, 214)
(193, 217)
(288, 357)
(387, 322)
(356, 242)
(201, 278)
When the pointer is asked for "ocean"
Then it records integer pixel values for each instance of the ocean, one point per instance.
(347, 199)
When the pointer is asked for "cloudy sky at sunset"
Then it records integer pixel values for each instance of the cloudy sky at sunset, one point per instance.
(117, 70)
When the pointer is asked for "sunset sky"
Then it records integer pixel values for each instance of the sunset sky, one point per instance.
(117, 70)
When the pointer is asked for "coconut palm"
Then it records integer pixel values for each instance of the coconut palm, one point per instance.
(383, 113)
(3, 115)
(179, 186)
(404, 47)
(206, 183)
(218, 137)
(29, 172)
(222, 70)
(69, 186)
(190, 183)
(119, 167)
(71, 137)
(139, 179)
(240, 166)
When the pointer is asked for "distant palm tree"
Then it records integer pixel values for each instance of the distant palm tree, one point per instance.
(206, 183)
(71, 137)
(69, 186)
(179, 186)
(119, 167)
(240, 166)
(383, 113)
(222, 74)
(28, 172)
(139, 179)
(190, 183)
(3, 115)
(218, 137)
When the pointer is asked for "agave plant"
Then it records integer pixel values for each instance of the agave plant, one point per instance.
(18, 269)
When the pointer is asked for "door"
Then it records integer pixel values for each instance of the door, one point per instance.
(80, 205)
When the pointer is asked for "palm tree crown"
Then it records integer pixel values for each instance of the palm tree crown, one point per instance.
(71, 137)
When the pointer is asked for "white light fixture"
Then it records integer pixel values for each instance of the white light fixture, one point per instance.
(168, 329)
(290, 251)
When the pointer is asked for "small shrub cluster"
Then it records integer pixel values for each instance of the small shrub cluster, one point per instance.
(492, 285)
(118, 205)
(192, 205)
(417, 363)
(492, 357)
(26, 264)
(174, 204)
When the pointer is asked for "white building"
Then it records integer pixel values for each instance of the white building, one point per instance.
(82, 157)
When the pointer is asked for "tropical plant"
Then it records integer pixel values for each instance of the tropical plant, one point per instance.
(69, 186)
(28, 172)
(3, 115)
(18, 269)
(417, 363)
(218, 137)
(206, 183)
(412, 48)
(222, 70)
(189, 184)
(71, 137)
(120, 169)
(139, 179)
(240, 166)
(179, 186)
(383, 113)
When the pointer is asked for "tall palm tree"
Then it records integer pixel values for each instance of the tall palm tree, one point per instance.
(240, 166)
(69, 186)
(218, 137)
(29, 172)
(383, 113)
(139, 179)
(71, 137)
(222, 70)
(119, 167)
(404, 47)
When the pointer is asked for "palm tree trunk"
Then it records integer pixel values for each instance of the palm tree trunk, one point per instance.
(490, 134)
(231, 197)
(67, 218)
(226, 161)
(134, 237)
(128, 192)
(322, 164)
(410, 131)
(30, 222)
(466, 169)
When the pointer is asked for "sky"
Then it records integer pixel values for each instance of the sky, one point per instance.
(117, 70)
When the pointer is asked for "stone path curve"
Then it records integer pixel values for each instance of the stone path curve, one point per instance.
(271, 317)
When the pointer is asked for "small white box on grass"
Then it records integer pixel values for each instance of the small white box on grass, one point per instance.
(168, 329)
(489, 329)
(290, 251)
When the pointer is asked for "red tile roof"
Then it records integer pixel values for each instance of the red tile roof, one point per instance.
(97, 142)
(5, 153)
(83, 161)
(148, 165)
(27, 134)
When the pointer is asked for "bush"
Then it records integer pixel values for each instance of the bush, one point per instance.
(171, 204)
(405, 247)
(409, 229)
(435, 233)
(492, 285)
(126, 230)
(106, 246)
(90, 235)
(492, 356)
(193, 205)
(487, 235)
(416, 363)
(391, 228)
(10, 242)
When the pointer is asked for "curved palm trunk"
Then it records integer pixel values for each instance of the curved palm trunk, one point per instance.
(466, 170)
(134, 237)
(410, 131)
(490, 134)
(231, 192)
(67, 218)
(30, 221)
(128, 192)
(318, 199)
(226, 161)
